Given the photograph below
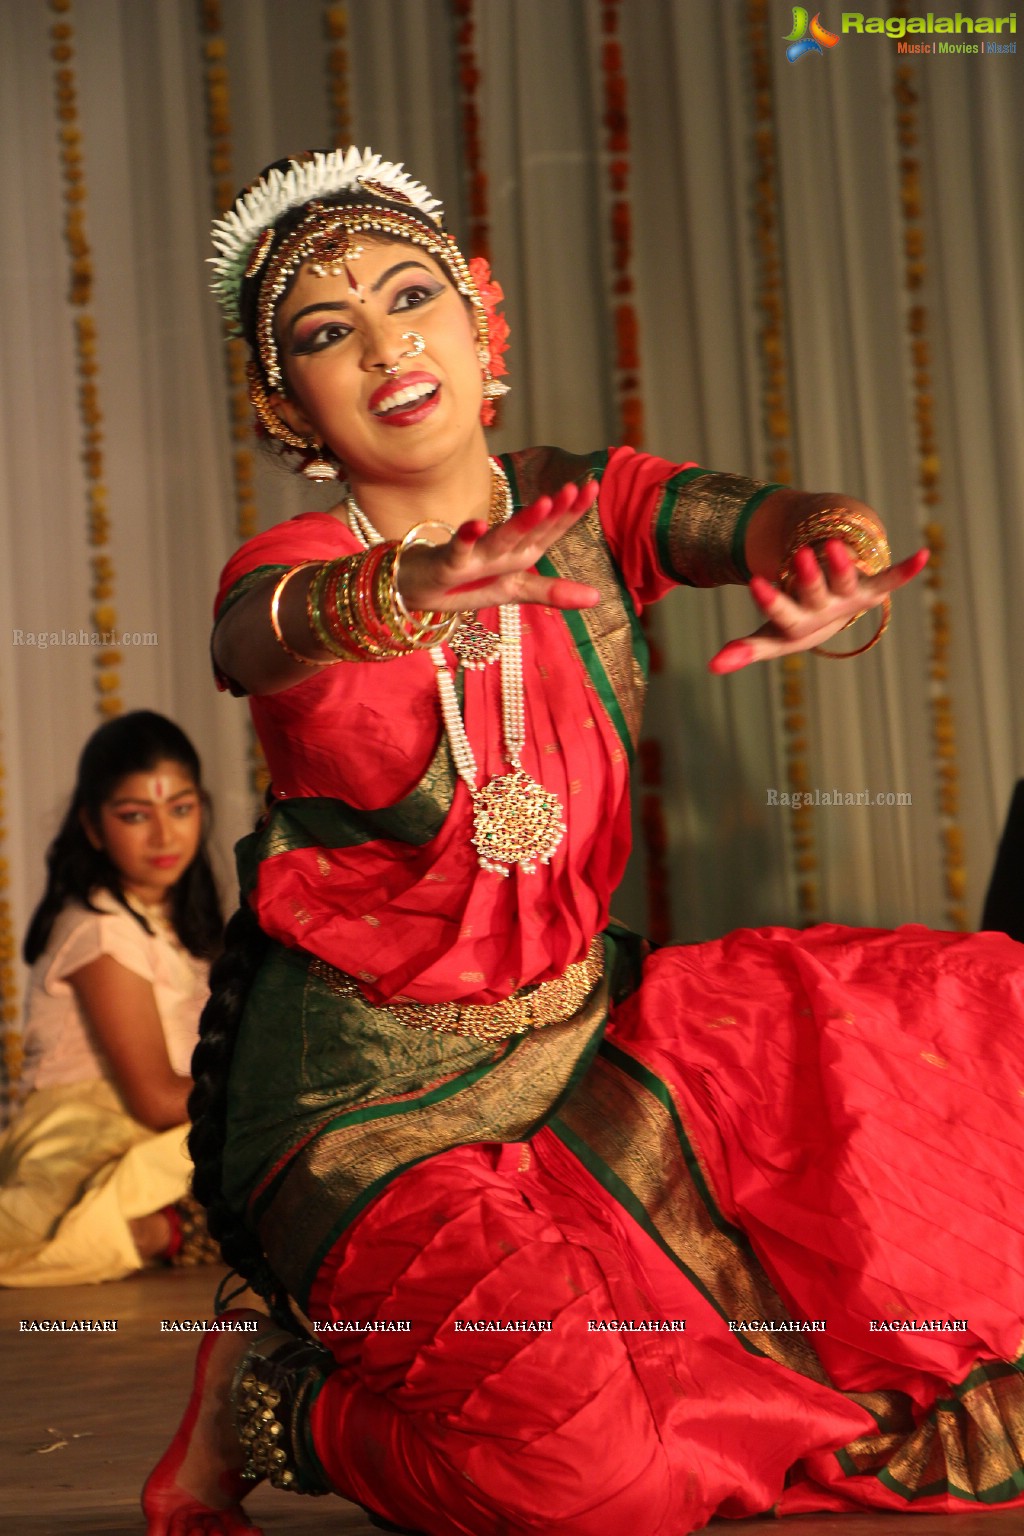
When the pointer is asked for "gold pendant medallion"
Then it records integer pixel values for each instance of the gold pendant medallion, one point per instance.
(516, 821)
(474, 644)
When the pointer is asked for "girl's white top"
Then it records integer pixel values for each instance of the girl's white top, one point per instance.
(59, 1045)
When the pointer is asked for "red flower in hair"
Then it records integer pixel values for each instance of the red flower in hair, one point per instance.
(491, 296)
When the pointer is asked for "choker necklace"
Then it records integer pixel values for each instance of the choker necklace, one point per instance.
(516, 821)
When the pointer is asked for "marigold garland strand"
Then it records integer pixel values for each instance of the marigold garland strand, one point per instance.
(216, 90)
(339, 98)
(220, 162)
(469, 75)
(776, 422)
(627, 384)
(907, 123)
(107, 659)
(478, 245)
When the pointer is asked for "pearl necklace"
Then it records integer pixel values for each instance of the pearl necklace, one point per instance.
(516, 821)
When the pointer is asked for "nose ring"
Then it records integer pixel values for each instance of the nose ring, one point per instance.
(418, 346)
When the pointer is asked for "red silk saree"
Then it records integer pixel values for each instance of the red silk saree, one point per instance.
(743, 1234)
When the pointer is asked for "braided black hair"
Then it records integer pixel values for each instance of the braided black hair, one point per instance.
(231, 979)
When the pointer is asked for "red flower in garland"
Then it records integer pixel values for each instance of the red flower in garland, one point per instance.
(491, 295)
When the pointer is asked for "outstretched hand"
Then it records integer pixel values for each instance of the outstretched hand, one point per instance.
(821, 602)
(483, 566)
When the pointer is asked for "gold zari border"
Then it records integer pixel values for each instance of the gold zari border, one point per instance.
(633, 1134)
(971, 1446)
(702, 528)
(332, 1176)
(582, 554)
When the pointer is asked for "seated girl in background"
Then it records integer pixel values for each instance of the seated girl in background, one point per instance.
(94, 1173)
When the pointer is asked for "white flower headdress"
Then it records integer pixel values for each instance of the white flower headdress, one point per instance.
(237, 235)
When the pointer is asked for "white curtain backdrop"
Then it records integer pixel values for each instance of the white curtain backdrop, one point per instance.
(138, 67)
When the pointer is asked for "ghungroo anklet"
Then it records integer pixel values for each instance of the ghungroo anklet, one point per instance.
(274, 1390)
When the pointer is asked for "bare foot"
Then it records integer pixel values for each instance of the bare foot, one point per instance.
(196, 1487)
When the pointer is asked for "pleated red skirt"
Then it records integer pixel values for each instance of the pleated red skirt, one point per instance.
(769, 1255)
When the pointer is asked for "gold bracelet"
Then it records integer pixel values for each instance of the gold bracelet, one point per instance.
(886, 607)
(865, 536)
(423, 628)
(275, 619)
(314, 613)
(346, 613)
(427, 627)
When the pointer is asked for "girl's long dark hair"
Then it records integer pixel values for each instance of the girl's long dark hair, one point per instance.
(132, 743)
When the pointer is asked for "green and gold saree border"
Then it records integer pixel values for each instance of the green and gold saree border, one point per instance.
(302, 1211)
(969, 1446)
(609, 638)
(245, 584)
(625, 1127)
(700, 526)
(311, 822)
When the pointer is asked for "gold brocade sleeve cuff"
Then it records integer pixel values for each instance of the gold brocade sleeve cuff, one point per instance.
(701, 526)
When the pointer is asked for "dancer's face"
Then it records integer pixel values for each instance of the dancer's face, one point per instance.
(337, 336)
(150, 828)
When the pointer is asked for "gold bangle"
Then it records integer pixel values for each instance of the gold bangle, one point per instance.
(334, 609)
(865, 536)
(425, 628)
(886, 607)
(314, 613)
(422, 628)
(275, 620)
(340, 641)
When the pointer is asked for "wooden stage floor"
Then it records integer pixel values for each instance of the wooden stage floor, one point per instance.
(84, 1416)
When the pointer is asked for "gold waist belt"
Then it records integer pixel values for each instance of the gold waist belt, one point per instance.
(550, 1002)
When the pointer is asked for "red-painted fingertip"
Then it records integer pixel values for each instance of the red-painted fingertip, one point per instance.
(573, 594)
(531, 516)
(737, 654)
(838, 554)
(916, 563)
(471, 531)
(805, 564)
(762, 591)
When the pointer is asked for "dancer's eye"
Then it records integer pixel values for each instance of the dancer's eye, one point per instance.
(317, 337)
(415, 294)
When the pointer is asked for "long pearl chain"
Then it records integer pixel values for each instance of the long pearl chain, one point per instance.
(516, 820)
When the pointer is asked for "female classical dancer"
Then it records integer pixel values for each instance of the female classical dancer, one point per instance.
(94, 1173)
(589, 1241)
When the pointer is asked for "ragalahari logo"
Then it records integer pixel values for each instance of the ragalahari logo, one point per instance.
(800, 43)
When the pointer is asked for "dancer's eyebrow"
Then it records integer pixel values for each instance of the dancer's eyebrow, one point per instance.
(341, 304)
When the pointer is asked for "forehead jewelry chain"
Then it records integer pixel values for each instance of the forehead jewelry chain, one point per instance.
(516, 821)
